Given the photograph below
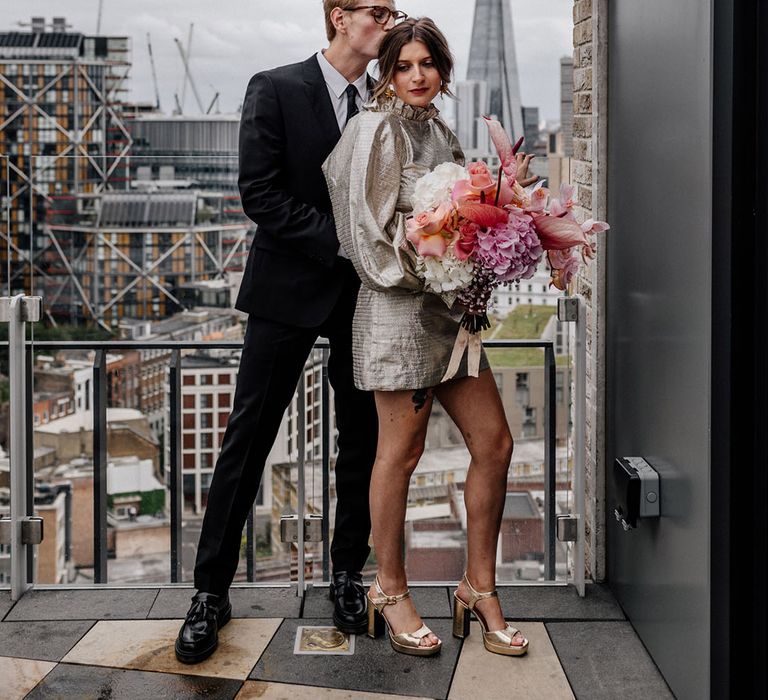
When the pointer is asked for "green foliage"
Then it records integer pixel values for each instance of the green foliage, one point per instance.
(151, 501)
(525, 322)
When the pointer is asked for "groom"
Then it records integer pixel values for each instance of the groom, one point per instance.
(296, 287)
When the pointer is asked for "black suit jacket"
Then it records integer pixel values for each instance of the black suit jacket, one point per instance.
(288, 128)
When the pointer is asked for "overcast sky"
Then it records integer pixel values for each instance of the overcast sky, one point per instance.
(233, 39)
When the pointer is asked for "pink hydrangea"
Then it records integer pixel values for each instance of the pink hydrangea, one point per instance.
(512, 250)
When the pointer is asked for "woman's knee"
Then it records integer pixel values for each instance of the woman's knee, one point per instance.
(495, 451)
(401, 456)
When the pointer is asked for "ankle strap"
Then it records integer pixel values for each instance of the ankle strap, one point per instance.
(385, 599)
(477, 595)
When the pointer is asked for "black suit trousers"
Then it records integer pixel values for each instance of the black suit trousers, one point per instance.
(274, 354)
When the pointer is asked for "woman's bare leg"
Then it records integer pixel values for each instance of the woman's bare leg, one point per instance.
(475, 406)
(402, 431)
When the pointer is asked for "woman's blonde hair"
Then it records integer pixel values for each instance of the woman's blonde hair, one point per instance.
(422, 29)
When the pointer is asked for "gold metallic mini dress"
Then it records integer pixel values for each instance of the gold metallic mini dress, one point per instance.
(402, 336)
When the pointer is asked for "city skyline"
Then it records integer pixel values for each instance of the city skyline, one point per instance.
(233, 42)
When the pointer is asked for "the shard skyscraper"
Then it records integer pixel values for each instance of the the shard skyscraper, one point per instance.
(492, 59)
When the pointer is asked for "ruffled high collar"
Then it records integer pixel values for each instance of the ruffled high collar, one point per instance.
(395, 105)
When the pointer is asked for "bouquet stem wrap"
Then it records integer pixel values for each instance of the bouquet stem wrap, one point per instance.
(468, 339)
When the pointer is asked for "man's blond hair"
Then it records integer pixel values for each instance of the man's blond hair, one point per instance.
(329, 6)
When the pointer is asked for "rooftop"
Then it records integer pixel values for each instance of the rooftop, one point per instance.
(119, 644)
(83, 420)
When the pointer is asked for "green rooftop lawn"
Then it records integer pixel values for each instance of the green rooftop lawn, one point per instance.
(526, 322)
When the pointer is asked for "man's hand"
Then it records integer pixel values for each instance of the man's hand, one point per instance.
(523, 161)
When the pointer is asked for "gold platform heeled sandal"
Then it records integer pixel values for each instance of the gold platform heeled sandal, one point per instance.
(498, 642)
(405, 642)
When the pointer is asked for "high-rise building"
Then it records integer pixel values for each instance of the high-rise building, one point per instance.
(62, 133)
(566, 104)
(492, 58)
(472, 103)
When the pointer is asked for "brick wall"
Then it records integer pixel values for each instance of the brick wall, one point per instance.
(587, 174)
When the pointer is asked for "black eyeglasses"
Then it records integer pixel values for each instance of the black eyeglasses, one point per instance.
(380, 13)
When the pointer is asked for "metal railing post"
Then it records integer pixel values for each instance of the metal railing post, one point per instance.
(100, 467)
(327, 441)
(174, 476)
(573, 310)
(550, 476)
(17, 311)
(301, 424)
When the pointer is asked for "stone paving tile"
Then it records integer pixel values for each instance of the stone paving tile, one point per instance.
(559, 603)
(431, 601)
(606, 660)
(264, 690)
(70, 681)
(147, 645)
(535, 676)
(374, 667)
(5, 603)
(19, 676)
(94, 604)
(173, 603)
(44, 641)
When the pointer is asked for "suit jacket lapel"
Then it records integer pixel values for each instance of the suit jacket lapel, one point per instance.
(317, 92)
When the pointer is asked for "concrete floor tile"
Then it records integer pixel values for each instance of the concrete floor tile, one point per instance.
(264, 690)
(559, 603)
(535, 676)
(431, 601)
(375, 667)
(5, 603)
(148, 645)
(21, 675)
(68, 681)
(95, 604)
(173, 603)
(44, 641)
(606, 660)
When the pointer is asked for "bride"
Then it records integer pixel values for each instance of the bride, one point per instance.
(403, 337)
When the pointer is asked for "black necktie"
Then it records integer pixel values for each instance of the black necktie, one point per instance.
(352, 109)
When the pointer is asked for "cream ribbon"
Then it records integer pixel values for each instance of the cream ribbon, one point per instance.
(473, 344)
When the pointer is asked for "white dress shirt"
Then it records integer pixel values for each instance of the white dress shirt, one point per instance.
(337, 85)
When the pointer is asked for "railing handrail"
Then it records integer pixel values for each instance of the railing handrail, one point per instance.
(224, 344)
(173, 469)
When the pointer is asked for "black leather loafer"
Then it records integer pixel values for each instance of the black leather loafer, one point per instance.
(199, 635)
(350, 610)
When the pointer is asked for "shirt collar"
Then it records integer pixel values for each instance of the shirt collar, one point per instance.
(337, 82)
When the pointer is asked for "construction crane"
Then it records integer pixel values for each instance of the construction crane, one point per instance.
(189, 76)
(189, 58)
(154, 73)
(213, 101)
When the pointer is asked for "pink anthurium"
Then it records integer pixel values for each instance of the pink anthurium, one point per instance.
(485, 215)
(557, 233)
(592, 226)
(504, 148)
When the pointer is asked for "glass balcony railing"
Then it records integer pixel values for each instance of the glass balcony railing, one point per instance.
(130, 377)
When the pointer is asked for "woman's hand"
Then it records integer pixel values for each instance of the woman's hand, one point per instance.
(523, 161)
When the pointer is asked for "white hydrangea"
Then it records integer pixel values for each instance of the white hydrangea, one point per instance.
(434, 188)
(446, 274)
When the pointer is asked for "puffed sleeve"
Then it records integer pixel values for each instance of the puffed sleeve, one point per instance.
(363, 175)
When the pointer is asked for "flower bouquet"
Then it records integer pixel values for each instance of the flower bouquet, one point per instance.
(472, 231)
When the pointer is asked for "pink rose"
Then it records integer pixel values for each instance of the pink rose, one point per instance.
(467, 240)
(480, 178)
(426, 231)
